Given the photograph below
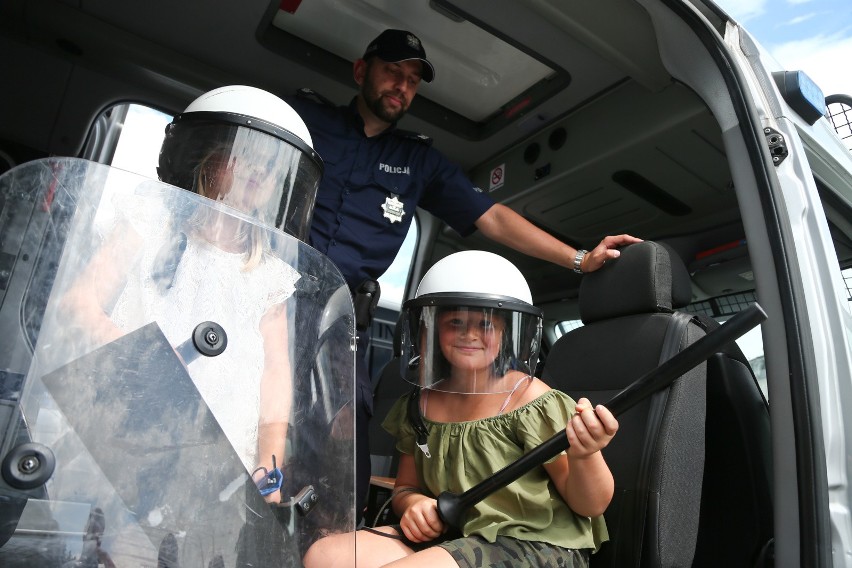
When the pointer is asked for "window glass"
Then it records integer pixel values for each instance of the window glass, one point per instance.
(138, 147)
(564, 327)
(395, 278)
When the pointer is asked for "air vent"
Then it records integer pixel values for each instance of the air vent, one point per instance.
(557, 138)
(532, 152)
(650, 192)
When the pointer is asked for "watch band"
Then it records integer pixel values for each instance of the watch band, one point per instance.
(578, 260)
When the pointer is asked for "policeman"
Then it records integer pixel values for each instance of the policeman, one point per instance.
(376, 175)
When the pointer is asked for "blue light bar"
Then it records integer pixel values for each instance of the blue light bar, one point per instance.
(801, 93)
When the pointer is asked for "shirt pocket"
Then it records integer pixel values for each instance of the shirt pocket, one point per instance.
(393, 180)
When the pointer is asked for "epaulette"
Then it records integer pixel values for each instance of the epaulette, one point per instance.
(411, 135)
(310, 94)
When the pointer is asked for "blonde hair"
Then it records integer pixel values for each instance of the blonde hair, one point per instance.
(255, 238)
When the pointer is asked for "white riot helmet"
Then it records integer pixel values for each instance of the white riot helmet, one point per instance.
(249, 149)
(471, 327)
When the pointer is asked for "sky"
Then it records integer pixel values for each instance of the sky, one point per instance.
(814, 36)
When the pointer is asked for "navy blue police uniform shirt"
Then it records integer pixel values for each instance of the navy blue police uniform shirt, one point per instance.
(371, 187)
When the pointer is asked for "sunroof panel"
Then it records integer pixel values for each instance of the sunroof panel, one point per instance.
(478, 75)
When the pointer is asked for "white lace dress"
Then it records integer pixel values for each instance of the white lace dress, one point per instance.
(211, 284)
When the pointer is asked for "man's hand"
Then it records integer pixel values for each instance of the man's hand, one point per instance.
(503, 225)
(606, 250)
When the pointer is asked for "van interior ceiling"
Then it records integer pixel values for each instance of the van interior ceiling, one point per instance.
(593, 134)
(654, 123)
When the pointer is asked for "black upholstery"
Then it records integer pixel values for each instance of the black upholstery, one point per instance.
(390, 386)
(738, 466)
(382, 445)
(384, 457)
(658, 454)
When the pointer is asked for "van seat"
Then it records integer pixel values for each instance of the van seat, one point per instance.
(735, 527)
(384, 458)
(631, 323)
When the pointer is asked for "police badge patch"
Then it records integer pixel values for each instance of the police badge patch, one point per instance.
(393, 209)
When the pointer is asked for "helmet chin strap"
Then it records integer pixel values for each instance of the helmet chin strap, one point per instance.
(415, 418)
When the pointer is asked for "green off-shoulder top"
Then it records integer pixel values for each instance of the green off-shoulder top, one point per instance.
(465, 453)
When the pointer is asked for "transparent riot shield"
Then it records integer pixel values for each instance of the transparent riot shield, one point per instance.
(176, 381)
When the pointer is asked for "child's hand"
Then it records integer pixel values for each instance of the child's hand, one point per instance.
(589, 430)
(273, 498)
(420, 522)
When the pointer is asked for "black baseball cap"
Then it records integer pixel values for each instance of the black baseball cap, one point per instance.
(394, 46)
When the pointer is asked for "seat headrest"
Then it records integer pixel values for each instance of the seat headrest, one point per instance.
(648, 277)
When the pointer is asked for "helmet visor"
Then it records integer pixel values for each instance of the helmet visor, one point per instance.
(261, 175)
(465, 349)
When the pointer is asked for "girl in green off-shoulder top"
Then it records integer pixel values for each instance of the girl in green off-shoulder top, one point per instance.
(470, 340)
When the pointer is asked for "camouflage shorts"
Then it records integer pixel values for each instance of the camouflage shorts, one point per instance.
(505, 552)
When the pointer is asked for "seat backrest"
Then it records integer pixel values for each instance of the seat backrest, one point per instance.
(384, 458)
(657, 458)
(390, 386)
(738, 466)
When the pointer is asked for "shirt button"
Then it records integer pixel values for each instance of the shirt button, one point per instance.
(345, 192)
(333, 243)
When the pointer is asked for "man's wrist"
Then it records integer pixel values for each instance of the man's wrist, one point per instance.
(578, 260)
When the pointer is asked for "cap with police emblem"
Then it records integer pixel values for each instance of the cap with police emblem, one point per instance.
(394, 46)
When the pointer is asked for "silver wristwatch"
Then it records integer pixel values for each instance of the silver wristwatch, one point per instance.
(578, 260)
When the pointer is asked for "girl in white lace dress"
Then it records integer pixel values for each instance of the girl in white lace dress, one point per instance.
(201, 263)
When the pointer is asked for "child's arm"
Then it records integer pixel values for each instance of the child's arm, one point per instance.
(276, 392)
(583, 478)
(418, 513)
(99, 284)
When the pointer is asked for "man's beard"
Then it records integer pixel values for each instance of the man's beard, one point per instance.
(373, 101)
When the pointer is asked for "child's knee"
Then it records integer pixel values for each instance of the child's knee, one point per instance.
(314, 553)
(330, 551)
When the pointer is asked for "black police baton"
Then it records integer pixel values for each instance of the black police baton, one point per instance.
(452, 506)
